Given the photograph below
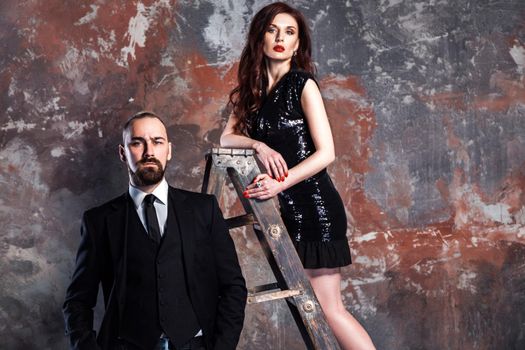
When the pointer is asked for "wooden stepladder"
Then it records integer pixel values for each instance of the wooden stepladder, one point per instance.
(292, 283)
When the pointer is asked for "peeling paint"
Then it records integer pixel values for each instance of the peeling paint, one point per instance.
(136, 33)
(518, 55)
(226, 29)
(88, 17)
(18, 125)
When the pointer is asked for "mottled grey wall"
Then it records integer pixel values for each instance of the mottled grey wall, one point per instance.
(427, 104)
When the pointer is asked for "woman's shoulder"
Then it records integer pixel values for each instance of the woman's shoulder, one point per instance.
(297, 79)
(300, 76)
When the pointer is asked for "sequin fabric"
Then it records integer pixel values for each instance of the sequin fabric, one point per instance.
(312, 210)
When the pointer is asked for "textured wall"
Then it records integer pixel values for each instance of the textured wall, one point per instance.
(427, 104)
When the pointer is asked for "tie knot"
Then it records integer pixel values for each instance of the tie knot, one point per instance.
(149, 199)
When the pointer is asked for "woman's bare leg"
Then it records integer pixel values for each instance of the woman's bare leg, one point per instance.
(327, 287)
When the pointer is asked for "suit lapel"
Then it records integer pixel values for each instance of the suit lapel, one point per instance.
(185, 225)
(117, 223)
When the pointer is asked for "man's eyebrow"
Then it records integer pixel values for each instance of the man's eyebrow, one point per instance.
(142, 138)
(139, 138)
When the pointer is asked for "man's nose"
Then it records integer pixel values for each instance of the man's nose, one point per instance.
(148, 150)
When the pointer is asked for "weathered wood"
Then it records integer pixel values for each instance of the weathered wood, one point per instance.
(241, 220)
(292, 283)
(214, 178)
(269, 296)
(263, 288)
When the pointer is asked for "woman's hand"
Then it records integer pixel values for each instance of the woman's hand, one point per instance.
(273, 161)
(263, 187)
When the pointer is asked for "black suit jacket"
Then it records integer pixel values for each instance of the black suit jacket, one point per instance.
(216, 286)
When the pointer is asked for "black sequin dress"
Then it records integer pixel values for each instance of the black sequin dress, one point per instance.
(312, 210)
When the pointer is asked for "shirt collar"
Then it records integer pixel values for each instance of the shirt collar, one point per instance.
(160, 192)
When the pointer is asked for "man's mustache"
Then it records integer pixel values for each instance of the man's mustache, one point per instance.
(143, 161)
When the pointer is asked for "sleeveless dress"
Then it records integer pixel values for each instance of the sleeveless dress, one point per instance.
(312, 210)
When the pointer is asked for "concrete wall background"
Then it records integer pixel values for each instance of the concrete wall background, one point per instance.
(427, 104)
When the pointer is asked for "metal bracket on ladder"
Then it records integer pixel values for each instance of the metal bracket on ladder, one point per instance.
(292, 284)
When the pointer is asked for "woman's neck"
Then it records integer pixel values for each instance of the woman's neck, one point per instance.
(275, 71)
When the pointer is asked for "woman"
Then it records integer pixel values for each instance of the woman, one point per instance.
(278, 111)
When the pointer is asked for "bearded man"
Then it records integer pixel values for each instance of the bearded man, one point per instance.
(167, 265)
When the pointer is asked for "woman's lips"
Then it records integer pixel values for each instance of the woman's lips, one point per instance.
(278, 48)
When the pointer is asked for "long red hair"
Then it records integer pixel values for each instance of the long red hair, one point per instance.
(252, 77)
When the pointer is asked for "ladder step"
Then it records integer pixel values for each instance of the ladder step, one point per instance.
(241, 220)
(264, 288)
(268, 296)
(246, 152)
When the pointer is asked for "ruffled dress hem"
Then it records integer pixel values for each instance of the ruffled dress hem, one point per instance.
(315, 255)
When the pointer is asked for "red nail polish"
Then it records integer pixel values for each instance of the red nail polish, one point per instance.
(286, 174)
(246, 195)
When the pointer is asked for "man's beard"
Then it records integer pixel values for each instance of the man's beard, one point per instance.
(147, 176)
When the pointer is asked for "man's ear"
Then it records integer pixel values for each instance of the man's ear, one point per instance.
(122, 153)
(169, 151)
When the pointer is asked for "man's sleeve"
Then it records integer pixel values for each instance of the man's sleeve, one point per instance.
(81, 295)
(232, 287)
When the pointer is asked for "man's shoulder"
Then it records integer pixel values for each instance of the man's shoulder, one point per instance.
(107, 207)
(191, 194)
(195, 198)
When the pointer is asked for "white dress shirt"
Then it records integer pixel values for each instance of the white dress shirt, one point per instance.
(161, 204)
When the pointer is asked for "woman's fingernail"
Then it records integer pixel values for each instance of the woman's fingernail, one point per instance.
(286, 174)
(246, 195)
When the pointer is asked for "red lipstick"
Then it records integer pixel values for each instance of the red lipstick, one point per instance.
(278, 48)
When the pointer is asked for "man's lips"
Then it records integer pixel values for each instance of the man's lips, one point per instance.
(149, 163)
(278, 48)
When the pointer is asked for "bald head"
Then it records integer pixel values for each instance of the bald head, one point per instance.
(138, 116)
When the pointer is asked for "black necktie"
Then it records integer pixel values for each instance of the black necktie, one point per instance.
(151, 218)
